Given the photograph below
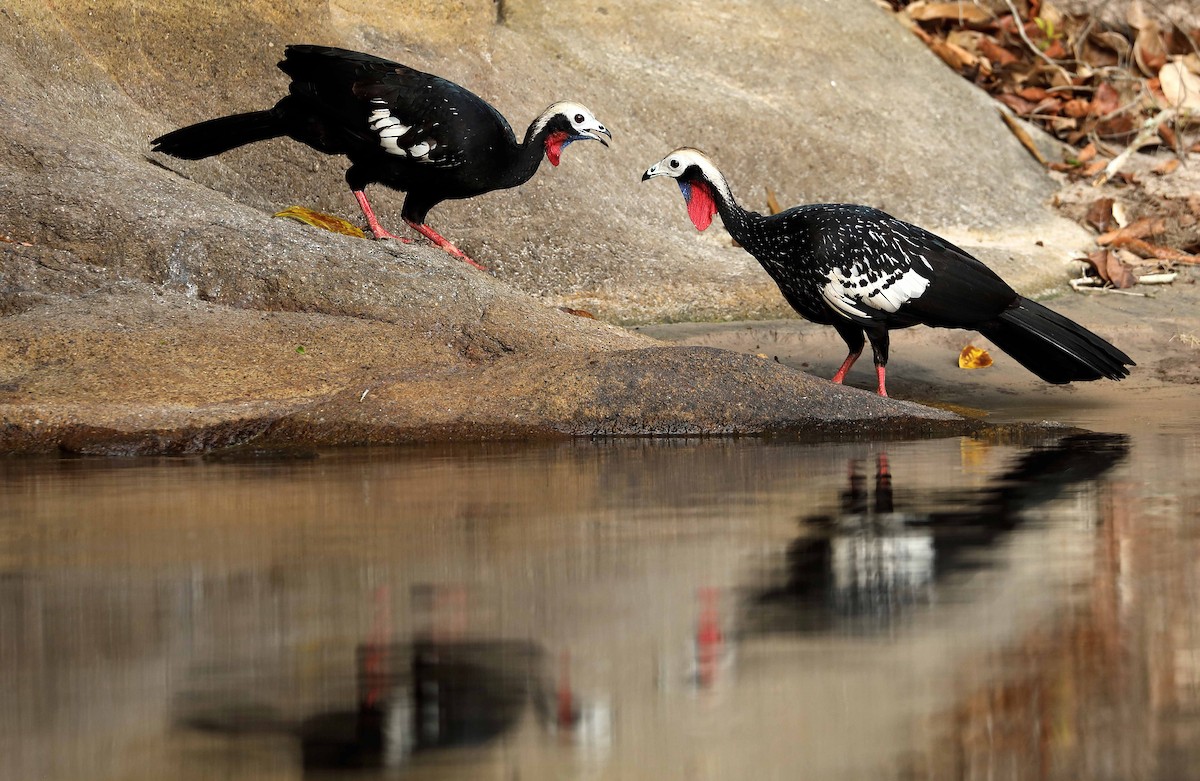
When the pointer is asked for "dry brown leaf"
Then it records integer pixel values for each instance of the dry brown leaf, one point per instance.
(1048, 107)
(1099, 214)
(1180, 86)
(964, 11)
(1138, 229)
(1147, 250)
(1024, 137)
(1099, 261)
(1167, 134)
(1087, 154)
(577, 312)
(1106, 100)
(1119, 275)
(1091, 169)
(323, 221)
(1167, 166)
(954, 55)
(1056, 50)
(1017, 103)
(1149, 49)
(1077, 107)
(973, 357)
(997, 54)
(966, 38)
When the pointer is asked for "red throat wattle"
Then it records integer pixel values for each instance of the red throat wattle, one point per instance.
(701, 204)
(554, 146)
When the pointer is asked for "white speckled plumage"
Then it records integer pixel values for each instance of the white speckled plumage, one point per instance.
(865, 273)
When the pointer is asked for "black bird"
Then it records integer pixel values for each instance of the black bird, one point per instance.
(409, 130)
(865, 273)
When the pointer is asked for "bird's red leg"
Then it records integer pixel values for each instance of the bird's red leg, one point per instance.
(881, 372)
(442, 242)
(840, 374)
(373, 222)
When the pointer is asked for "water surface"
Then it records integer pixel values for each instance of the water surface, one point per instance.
(692, 609)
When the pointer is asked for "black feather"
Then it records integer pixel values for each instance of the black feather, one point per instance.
(1053, 347)
(399, 127)
(219, 135)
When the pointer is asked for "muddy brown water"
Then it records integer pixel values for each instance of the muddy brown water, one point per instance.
(671, 609)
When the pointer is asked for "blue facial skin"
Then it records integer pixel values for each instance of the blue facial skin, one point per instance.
(686, 189)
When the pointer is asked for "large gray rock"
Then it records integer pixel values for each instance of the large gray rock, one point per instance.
(151, 304)
(820, 101)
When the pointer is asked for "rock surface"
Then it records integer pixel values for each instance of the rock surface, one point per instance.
(156, 303)
(135, 372)
(820, 101)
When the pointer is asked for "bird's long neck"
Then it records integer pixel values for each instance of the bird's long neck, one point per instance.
(738, 221)
(529, 154)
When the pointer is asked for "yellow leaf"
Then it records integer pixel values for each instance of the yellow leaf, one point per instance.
(323, 221)
(973, 357)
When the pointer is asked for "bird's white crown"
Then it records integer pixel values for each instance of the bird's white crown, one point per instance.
(684, 158)
(580, 116)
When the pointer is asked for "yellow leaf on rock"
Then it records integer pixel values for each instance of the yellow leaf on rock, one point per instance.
(323, 221)
(973, 357)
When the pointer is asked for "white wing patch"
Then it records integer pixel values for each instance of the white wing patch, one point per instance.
(391, 129)
(857, 294)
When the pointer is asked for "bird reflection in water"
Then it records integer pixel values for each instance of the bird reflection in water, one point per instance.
(443, 690)
(422, 696)
(862, 567)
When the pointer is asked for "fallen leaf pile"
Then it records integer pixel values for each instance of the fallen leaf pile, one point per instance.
(1114, 94)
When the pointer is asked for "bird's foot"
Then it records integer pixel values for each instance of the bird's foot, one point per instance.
(380, 234)
(373, 225)
(442, 242)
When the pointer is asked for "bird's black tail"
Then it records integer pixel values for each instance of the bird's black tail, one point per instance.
(1054, 348)
(215, 136)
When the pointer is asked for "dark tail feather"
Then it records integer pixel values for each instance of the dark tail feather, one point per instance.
(215, 136)
(1054, 348)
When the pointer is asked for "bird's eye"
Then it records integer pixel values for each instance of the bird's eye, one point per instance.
(578, 118)
(674, 163)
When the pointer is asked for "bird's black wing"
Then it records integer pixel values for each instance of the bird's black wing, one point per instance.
(877, 270)
(390, 108)
(963, 292)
